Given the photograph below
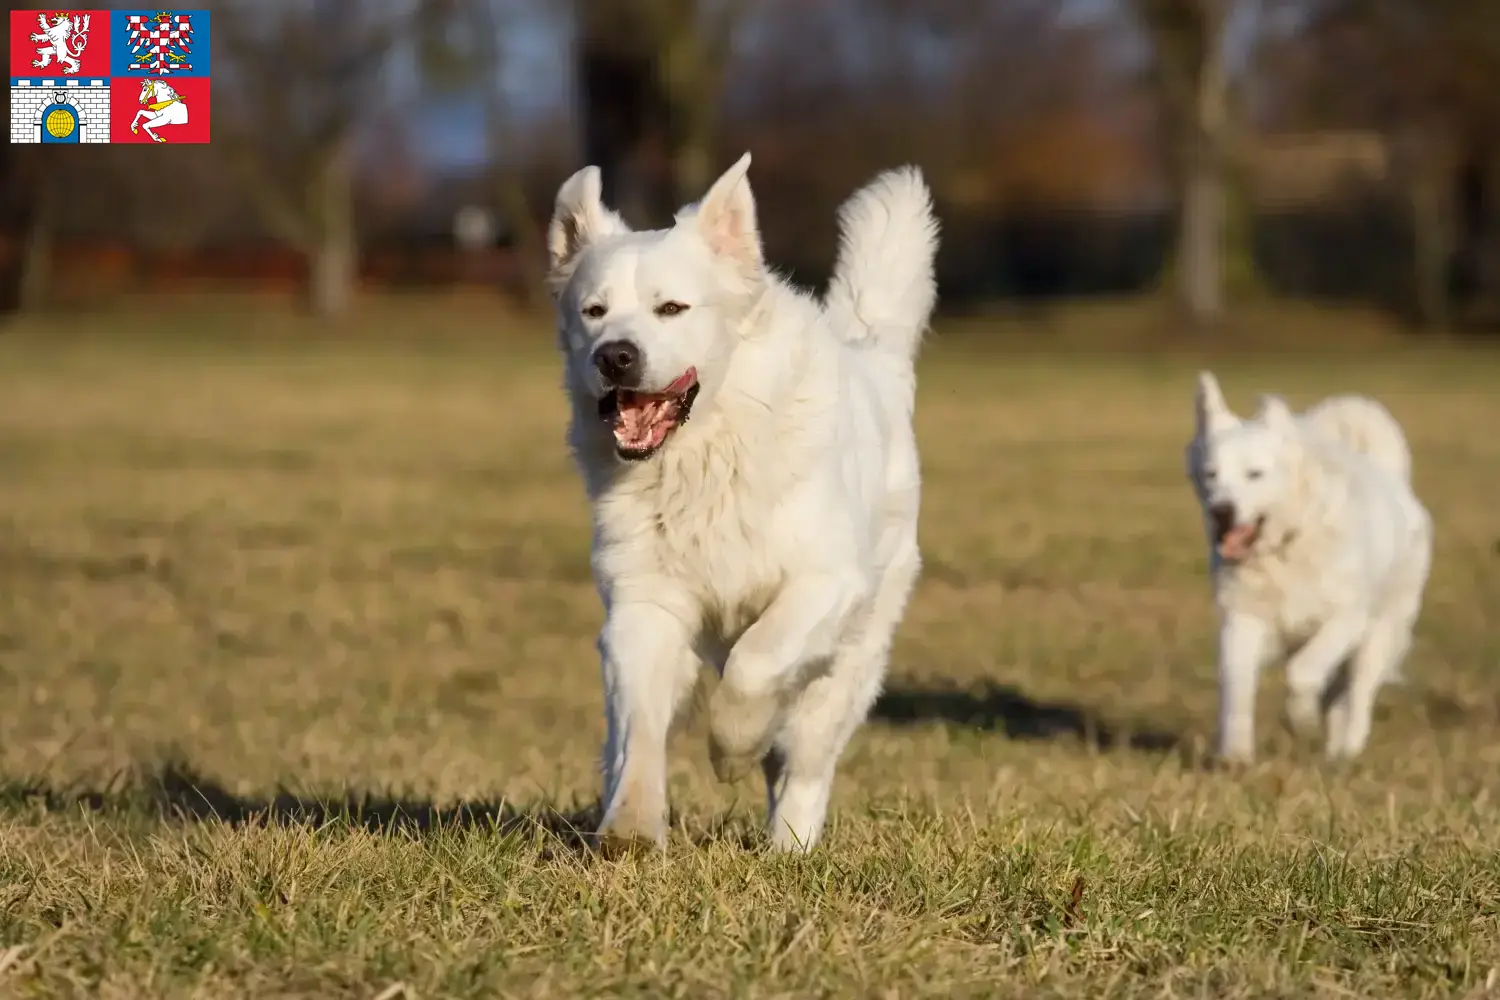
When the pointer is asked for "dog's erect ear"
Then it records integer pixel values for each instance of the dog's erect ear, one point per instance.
(726, 218)
(1276, 415)
(579, 219)
(1213, 413)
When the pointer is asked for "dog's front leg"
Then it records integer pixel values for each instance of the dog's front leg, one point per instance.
(801, 627)
(649, 667)
(1245, 645)
(1313, 666)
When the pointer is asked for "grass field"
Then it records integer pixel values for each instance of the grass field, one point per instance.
(298, 698)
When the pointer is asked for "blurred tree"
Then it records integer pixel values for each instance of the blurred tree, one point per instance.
(53, 194)
(460, 51)
(1191, 76)
(40, 241)
(1022, 117)
(1426, 75)
(1446, 60)
(19, 174)
(53, 202)
(1447, 57)
(651, 84)
(300, 76)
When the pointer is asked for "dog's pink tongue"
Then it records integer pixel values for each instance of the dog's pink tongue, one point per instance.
(683, 383)
(1236, 542)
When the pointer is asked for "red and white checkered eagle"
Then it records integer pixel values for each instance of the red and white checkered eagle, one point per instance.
(160, 44)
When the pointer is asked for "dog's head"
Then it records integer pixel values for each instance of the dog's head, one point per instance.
(647, 321)
(1241, 470)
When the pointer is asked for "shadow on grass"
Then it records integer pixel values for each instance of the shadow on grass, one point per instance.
(999, 708)
(176, 792)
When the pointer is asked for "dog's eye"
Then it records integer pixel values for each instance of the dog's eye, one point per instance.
(1210, 474)
(595, 311)
(671, 309)
(1254, 474)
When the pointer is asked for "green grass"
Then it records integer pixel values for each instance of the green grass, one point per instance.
(298, 697)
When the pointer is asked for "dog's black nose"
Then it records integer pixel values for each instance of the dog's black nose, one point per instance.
(619, 361)
(1223, 515)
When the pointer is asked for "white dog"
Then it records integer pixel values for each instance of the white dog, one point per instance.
(774, 536)
(1318, 549)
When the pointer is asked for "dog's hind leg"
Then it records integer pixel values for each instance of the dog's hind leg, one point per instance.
(649, 667)
(801, 764)
(1312, 668)
(1372, 665)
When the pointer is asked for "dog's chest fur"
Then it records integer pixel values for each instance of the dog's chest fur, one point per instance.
(701, 515)
(1295, 598)
(714, 513)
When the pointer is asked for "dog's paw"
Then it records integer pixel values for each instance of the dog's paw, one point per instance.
(1304, 714)
(740, 728)
(619, 845)
(782, 839)
(1234, 758)
(1234, 746)
(1341, 745)
(634, 823)
(619, 838)
(1339, 757)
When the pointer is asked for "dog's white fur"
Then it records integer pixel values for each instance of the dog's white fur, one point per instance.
(1337, 575)
(1362, 425)
(773, 536)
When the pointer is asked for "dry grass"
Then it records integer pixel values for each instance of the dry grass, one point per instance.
(298, 698)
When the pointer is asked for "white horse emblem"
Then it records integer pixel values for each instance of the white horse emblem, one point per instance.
(66, 40)
(163, 106)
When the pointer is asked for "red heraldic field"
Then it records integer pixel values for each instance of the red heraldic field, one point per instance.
(134, 102)
(71, 44)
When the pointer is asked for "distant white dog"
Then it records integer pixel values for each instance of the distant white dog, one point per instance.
(1318, 549)
(773, 537)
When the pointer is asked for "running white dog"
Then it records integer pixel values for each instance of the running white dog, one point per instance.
(773, 537)
(1318, 548)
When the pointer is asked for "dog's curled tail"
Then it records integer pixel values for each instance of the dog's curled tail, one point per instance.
(1363, 425)
(884, 287)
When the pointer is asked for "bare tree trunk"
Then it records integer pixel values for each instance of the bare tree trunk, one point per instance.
(1432, 249)
(37, 250)
(1204, 197)
(1471, 218)
(1426, 168)
(1200, 240)
(691, 79)
(16, 212)
(693, 168)
(296, 134)
(697, 49)
(621, 107)
(1242, 274)
(526, 236)
(1193, 86)
(333, 267)
(651, 79)
(331, 273)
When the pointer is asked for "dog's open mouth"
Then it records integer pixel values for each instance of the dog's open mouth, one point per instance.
(1235, 541)
(642, 421)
